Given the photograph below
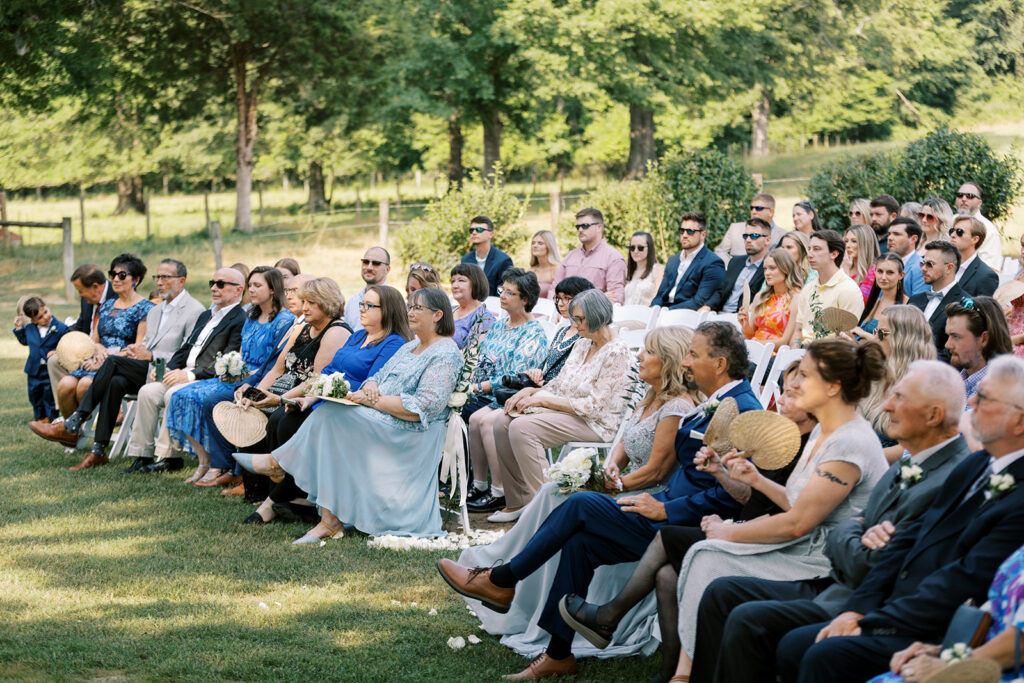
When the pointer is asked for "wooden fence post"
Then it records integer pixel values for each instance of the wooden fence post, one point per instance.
(215, 238)
(81, 210)
(5, 231)
(359, 203)
(147, 214)
(69, 258)
(556, 206)
(206, 207)
(382, 224)
(259, 193)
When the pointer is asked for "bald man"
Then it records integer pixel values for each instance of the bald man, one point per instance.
(376, 264)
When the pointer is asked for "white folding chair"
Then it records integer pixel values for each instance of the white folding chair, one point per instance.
(634, 317)
(783, 358)
(760, 355)
(129, 406)
(545, 309)
(727, 318)
(549, 329)
(681, 316)
(493, 305)
(633, 338)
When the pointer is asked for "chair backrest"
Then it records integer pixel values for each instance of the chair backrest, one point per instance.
(549, 328)
(761, 356)
(726, 318)
(633, 338)
(634, 317)
(493, 305)
(680, 316)
(545, 309)
(783, 358)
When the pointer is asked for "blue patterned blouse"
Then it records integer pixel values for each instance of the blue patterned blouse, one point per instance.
(508, 350)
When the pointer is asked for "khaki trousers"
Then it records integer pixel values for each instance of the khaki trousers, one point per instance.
(482, 450)
(144, 441)
(57, 372)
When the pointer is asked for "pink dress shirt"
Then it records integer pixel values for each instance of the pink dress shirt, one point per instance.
(603, 265)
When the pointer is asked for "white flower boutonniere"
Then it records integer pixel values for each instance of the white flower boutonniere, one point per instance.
(958, 652)
(998, 486)
(710, 407)
(909, 474)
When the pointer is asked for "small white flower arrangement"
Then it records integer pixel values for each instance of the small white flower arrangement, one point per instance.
(577, 470)
(957, 653)
(448, 542)
(230, 366)
(458, 399)
(710, 407)
(333, 385)
(457, 642)
(909, 474)
(999, 485)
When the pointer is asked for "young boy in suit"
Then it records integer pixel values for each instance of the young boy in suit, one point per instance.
(39, 331)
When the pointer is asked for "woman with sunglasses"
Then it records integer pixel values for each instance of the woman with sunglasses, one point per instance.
(421, 275)
(122, 321)
(643, 272)
(860, 212)
(805, 218)
(936, 218)
(886, 291)
(374, 465)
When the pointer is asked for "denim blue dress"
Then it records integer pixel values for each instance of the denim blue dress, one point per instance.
(118, 327)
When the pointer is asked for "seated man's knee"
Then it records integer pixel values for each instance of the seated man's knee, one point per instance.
(152, 393)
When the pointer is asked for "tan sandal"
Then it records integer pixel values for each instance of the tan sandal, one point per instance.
(198, 474)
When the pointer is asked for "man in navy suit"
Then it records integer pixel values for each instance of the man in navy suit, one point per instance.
(748, 269)
(693, 276)
(592, 529)
(938, 267)
(973, 276)
(948, 556)
(484, 254)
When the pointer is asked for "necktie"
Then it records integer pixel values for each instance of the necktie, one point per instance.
(979, 484)
(95, 317)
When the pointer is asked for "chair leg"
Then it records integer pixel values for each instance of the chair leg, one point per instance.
(121, 441)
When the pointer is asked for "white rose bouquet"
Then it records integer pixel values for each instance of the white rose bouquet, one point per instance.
(579, 470)
(333, 385)
(230, 367)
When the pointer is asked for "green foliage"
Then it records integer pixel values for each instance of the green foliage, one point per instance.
(441, 237)
(835, 185)
(936, 166)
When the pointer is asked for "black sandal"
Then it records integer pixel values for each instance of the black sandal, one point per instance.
(571, 606)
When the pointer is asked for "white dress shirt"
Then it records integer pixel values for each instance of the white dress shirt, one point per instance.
(933, 302)
(685, 261)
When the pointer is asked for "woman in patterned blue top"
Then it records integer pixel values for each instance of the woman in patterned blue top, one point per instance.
(266, 325)
(122, 321)
(374, 465)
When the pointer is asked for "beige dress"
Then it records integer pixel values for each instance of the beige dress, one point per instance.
(641, 291)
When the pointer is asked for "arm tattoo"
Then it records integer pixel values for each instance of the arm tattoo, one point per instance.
(831, 477)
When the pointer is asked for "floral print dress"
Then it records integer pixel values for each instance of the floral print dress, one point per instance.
(118, 327)
(771, 324)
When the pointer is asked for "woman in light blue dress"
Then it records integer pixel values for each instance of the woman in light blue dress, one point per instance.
(374, 465)
(470, 289)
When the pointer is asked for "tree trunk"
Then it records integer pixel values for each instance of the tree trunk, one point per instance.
(759, 125)
(246, 102)
(492, 142)
(317, 197)
(455, 144)
(129, 195)
(641, 141)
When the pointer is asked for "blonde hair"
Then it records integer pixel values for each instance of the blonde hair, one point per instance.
(867, 249)
(863, 206)
(804, 242)
(783, 261)
(549, 241)
(325, 293)
(670, 344)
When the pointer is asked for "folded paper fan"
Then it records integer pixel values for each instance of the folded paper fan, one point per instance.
(717, 434)
(770, 440)
(745, 300)
(838, 319)
(73, 348)
(1007, 292)
(240, 426)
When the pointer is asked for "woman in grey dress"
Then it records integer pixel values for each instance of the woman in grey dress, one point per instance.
(374, 465)
(646, 448)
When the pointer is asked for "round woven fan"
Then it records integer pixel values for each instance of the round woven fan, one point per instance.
(838, 319)
(1007, 292)
(20, 309)
(770, 440)
(717, 434)
(241, 427)
(73, 348)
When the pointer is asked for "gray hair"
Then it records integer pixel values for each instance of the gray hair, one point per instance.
(1010, 371)
(595, 308)
(179, 267)
(943, 385)
(726, 341)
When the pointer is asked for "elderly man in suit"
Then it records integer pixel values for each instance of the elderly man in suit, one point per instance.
(168, 324)
(742, 619)
(218, 330)
(592, 529)
(948, 556)
(747, 269)
(938, 267)
(974, 276)
(693, 276)
(484, 254)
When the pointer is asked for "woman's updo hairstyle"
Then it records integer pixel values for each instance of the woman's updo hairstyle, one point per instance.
(854, 367)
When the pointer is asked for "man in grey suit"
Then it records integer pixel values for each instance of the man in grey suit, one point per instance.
(741, 619)
(168, 325)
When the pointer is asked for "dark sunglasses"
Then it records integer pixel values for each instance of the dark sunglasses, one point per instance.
(925, 216)
(855, 213)
(689, 231)
(759, 208)
(423, 266)
(478, 230)
(638, 247)
(221, 284)
(967, 195)
(118, 274)
(367, 262)
(753, 235)
(959, 232)
(584, 226)
(882, 334)
(161, 278)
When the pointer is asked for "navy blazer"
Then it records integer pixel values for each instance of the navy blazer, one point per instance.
(494, 267)
(938, 319)
(732, 273)
(700, 283)
(949, 555)
(979, 279)
(84, 322)
(225, 337)
(39, 347)
(692, 494)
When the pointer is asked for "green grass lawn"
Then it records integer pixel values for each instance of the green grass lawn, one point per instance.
(140, 578)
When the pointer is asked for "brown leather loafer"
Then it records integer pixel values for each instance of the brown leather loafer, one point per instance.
(91, 460)
(476, 584)
(234, 491)
(225, 479)
(543, 666)
(54, 432)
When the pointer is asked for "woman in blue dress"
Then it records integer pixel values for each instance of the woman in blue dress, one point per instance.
(374, 465)
(121, 321)
(470, 290)
(266, 325)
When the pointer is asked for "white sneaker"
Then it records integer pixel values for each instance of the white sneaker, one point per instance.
(501, 516)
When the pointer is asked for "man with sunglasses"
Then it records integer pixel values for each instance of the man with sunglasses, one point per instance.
(484, 254)
(968, 201)
(884, 209)
(376, 264)
(974, 276)
(594, 260)
(694, 275)
(938, 267)
(747, 269)
(761, 206)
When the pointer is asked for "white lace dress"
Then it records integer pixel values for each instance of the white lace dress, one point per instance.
(519, 625)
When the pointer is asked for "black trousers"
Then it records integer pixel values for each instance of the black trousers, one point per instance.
(282, 426)
(116, 378)
(740, 622)
(848, 659)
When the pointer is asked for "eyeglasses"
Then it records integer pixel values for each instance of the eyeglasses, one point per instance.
(118, 274)
(417, 307)
(364, 307)
(925, 216)
(882, 334)
(502, 292)
(689, 231)
(929, 264)
(638, 247)
(221, 284)
(753, 235)
(584, 226)
(161, 278)
(959, 232)
(478, 230)
(563, 298)
(367, 262)
(290, 290)
(422, 266)
(982, 396)
(759, 208)
(967, 195)
(578, 319)
(856, 213)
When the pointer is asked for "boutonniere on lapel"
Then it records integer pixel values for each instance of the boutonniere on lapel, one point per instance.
(909, 474)
(710, 407)
(998, 486)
